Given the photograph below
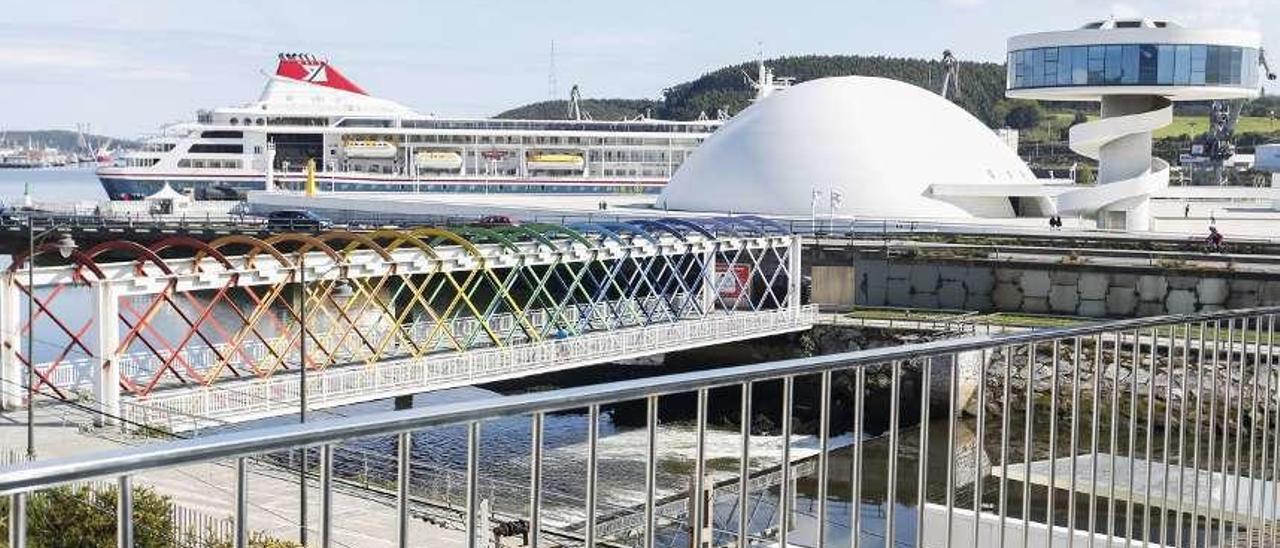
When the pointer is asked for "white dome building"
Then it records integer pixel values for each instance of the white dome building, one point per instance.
(889, 148)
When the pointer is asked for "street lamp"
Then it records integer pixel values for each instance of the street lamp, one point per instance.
(65, 246)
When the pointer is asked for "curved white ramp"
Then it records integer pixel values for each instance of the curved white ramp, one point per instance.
(1090, 139)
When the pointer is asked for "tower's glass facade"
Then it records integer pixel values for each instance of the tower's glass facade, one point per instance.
(1133, 65)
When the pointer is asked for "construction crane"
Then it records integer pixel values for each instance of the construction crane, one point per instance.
(1211, 153)
(575, 105)
(950, 74)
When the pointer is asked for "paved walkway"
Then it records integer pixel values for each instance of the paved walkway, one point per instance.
(209, 489)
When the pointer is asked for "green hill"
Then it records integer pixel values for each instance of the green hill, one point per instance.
(598, 109)
(60, 139)
(981, 87)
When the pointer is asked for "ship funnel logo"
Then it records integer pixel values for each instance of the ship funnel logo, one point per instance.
(308, 68)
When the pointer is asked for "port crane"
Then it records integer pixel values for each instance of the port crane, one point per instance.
(950, 74)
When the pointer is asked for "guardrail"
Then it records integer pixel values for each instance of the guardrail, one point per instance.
(1154, 429)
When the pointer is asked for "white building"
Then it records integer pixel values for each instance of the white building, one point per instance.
(884, 147)
(1136, 68)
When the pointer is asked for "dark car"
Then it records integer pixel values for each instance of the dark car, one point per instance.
(495, 221)
(296, 219)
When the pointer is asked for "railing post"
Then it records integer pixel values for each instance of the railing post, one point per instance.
(106, 376)
(242, 504)
(18, 520)
(403, 469)
(11, 383)
(124, 514)
(326, 496)
(794, 275)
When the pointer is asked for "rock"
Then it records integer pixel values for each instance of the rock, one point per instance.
(979, 302)
(924, 300)
(1064, 277)
(1124, 280)
(1064, 299)
(1146, 309)
(951, 294)
(1182, 282)
(954, 273)
(1152, 288)
(1007, 297)
(1180, 301)
(898, 293)
(1092, 308)
(1035, 283)
(979, 279)
(1008, 274)
(1035, 305)
(1121, 301)
(924, 278)
(1212, 291)
(1246, 285)
(1093, 286)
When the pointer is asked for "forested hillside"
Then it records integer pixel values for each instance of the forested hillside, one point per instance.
(981, 87)
(981, 84)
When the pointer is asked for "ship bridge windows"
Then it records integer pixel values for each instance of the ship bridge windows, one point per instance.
(297, 121)
(1134, 65)
(365, 122)
(209, 148)
(222, 134)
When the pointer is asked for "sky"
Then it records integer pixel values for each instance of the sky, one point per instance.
(127, 67)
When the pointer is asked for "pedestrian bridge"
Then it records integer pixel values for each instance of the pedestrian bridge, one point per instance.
(183, 333)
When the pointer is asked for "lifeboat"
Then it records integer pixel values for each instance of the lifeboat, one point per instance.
(555, 160)
(370, 150)
(437, 159)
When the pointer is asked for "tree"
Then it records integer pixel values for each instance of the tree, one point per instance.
(1023, 115)
(1079, 118)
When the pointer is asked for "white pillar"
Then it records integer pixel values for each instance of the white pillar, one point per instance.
(11, 370)
(794, 275)
(106, 340)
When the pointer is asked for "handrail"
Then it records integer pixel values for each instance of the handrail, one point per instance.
(38, 475)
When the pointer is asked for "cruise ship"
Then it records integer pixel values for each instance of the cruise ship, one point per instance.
(310, 111)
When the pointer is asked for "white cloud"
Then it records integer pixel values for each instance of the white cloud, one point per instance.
(84, 60)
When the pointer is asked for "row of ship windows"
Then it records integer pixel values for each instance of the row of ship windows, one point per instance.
(212, 164)
(1133, 64)
(466, 124)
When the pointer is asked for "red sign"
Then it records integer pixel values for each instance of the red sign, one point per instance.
(733, 281)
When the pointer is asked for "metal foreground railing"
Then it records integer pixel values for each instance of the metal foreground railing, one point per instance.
(1157, 430)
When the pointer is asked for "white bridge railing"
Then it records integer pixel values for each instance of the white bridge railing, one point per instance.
(185, 409)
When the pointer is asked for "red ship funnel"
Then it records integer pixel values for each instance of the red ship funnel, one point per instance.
(314, 70)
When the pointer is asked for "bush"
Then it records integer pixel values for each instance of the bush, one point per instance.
(86, 516)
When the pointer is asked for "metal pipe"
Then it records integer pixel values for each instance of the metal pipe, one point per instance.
(891, 503)
(744, 466)
(1026, 451)
(1053, 438)
(593, 442)
(326, 496)
(242, 503)
(124, 514)
(404, 470)
(824, 446)
(535, 480)
(859, 405)
(651, 469)
(302, 398)
(473, 473)
(31, 341)
(784, 523)
(18, 520)
(1077, 348)
(952, 411)
(1002, 507)
(926, 384)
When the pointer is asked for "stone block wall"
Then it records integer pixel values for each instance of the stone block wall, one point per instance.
(1089, 291)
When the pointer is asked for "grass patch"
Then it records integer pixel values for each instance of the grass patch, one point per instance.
(1032, 320)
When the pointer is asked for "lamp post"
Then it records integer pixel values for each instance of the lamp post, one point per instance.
(814, 196)
(65, 246)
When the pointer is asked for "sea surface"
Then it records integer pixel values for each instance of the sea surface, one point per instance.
(64, 184)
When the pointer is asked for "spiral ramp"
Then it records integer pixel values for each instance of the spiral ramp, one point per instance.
(1128, 193)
